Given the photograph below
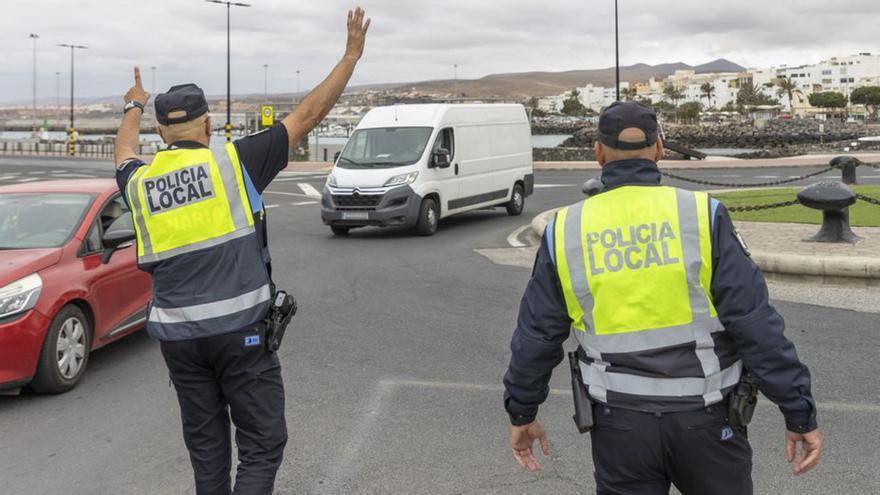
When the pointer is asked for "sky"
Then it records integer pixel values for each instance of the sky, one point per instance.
(410, 40)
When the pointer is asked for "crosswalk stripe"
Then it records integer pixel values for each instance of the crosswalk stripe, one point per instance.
(303, 203)
(309, 190)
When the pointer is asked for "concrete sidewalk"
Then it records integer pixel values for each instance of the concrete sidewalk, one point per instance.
(780, 249)
(721, 162)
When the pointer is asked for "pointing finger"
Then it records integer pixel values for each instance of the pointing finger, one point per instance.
(137, 77)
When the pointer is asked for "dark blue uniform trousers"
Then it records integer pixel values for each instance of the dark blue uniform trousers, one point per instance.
(638, 453)
(222, 376)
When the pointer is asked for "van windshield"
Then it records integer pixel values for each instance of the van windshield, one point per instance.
(385, 147)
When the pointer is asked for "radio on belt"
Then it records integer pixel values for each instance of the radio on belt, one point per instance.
(282, 311)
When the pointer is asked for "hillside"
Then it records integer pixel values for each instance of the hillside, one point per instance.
(523, 84)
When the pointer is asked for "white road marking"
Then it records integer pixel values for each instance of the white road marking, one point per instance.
(766, 177)
(303, 203)
(546, 186)
(74, 176)
(299, 195)
(513, 238)
(731, 176)
(7, 177)
(272, 206)
(309, 190)
(30, 179)
(301, 174)
(341, 469)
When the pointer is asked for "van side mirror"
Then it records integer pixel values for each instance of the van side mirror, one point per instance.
(440, 158)
(336, 156)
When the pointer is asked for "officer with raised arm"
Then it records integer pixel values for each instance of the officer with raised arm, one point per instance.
(201, 234)
(674, 329)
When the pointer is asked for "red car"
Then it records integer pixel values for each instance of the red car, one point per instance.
(69, 281)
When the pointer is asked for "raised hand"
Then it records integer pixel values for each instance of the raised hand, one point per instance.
(137, 92)
(357, 34)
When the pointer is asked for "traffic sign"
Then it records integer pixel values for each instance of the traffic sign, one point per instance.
(268, 115)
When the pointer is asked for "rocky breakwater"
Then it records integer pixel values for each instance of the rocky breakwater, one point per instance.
(774, 138)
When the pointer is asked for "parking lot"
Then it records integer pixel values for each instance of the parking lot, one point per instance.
(393, 371)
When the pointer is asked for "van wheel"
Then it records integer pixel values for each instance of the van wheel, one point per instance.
(340, 229)
(429, 217)
(517, 201)
(65, 353)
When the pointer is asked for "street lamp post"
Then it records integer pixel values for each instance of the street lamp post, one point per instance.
(71, 135)
(616, 53)
(35, 37)
(57, 89)
(266, 82)
(228, 63)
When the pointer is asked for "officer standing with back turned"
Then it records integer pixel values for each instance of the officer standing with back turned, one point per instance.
(674, 327)
(201, 232)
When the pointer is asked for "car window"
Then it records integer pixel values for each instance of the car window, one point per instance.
(112, 215)
(92, 242)
(445, 140)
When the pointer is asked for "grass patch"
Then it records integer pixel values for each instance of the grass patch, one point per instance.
(861, 214)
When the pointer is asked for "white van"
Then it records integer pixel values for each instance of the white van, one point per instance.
(411, 165)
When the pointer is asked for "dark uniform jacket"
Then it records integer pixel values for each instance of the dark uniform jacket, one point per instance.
(739, 293)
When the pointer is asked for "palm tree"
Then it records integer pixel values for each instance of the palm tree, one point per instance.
(674, 95)
(628, 94)
(787, 86)
(708, 90)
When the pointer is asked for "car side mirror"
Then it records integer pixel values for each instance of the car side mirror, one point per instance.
(440, 158)
(116, 240)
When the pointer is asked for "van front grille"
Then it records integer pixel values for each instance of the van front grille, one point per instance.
(357, 200)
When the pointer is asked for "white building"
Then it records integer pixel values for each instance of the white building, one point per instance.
(598, 97)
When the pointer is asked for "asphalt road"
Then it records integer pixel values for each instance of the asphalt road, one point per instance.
(393, 371)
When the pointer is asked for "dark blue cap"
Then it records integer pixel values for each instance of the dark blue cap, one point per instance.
(187, 98)
(625, 115)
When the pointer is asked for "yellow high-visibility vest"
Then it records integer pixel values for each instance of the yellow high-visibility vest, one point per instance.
(187, 200)
(635, 266)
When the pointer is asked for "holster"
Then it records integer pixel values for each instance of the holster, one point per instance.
(283, 310)
(743, 401)
(583, 406)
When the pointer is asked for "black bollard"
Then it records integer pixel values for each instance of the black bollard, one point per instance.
(834, 199)
(847, 166)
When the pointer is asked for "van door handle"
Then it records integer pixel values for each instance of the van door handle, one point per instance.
(456, 169)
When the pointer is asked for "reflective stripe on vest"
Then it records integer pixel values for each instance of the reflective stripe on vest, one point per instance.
(188, 200)
(211, 310)
(635, 265)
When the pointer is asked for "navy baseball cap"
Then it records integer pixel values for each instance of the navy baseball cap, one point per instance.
(625, 115)
(186, 98)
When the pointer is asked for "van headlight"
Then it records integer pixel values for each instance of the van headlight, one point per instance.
(331, 180)
(21, 295)
(400, 180)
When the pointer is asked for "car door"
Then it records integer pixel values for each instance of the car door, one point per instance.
(448, 183)
(120, 291)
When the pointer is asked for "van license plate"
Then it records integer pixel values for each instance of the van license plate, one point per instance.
(355, 215)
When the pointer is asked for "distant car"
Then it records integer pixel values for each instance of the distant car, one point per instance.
(69, 281)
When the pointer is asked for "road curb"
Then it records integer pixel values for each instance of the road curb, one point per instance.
(831, 267)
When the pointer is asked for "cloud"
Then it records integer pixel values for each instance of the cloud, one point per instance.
(410, 40)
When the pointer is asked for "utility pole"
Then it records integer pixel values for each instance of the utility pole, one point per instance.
(616, 53)
(228, 63)
(71, 136)
(34, 115)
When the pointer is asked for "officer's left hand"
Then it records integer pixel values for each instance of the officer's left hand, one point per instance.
(522, 438)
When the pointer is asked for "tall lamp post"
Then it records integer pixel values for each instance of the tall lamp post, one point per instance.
(616, 54)
(71, 134)
(266, 82)
(229, 6)
(35, 37)
(57, 89)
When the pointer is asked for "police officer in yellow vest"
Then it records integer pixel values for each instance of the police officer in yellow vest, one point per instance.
(201, 233)
(668, 310)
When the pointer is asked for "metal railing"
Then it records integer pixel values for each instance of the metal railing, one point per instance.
(62, 148)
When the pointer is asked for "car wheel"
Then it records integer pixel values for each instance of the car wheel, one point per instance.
(429, 217)
(65, 353)
(517, 201)
(340, 229)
